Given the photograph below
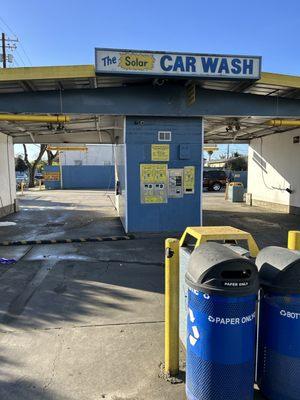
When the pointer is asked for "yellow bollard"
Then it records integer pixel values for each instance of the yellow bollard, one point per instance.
(294, 240)
(172, 307)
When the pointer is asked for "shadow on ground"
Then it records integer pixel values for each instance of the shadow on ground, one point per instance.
(35, 294)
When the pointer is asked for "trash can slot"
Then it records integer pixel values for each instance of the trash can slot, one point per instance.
(239, 274)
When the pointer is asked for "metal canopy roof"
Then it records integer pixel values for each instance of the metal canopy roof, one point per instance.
(81, 129)
(103, 129)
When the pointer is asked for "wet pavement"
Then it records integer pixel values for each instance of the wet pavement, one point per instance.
(86, 320)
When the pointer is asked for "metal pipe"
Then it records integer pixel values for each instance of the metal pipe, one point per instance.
(67, 148)
(283, 122)
(172, 307)
(34, 118)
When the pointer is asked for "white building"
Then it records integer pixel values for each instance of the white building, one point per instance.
(274, 171)
(102, 154)
(7, 176)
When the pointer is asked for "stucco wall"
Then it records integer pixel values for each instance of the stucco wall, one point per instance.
(7, 175)
(95, 155)
(274, 166)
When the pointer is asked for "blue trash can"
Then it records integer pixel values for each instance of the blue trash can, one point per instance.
(278, 361)
(221, 327)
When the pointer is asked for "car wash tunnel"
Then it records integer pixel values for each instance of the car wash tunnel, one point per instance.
(157, 109)
(92, 304)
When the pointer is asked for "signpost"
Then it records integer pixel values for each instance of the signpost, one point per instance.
(190, 65)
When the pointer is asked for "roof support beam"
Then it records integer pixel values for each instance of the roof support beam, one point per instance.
(28, 86)
(166, 100)
(63, 137)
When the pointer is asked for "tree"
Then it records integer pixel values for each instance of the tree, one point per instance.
(31, 166)
(20, 164)
(51, 156)
(237, 164)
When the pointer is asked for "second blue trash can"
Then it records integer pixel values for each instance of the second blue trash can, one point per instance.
(220, 359)
(278, 372)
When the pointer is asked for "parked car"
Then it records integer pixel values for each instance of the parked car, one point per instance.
(214, 180)
(21, 177)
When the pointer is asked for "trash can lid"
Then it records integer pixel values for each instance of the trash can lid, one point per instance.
(279, 269)
(216, 268)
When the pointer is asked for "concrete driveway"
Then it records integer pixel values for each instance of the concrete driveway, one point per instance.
(85, 321)
(80, 321)
(268, 227)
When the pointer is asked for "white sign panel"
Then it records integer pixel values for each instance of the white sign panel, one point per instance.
(110, 61)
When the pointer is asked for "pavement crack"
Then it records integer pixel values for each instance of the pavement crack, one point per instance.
(52, 374)
(81, 326)
(157, 264)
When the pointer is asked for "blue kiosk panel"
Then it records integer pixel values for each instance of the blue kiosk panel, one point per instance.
(181, 153)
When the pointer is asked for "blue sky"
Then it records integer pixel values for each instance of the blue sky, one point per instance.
(63, 32)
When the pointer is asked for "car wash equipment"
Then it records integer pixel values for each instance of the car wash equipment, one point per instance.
(220, 352)
(278, 361)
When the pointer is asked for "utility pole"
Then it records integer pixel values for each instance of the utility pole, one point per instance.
(7, 44)
(228, 151)
(3, 50)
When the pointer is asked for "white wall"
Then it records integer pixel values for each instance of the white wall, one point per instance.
(7, 173)
(101, 154)
(274, 165)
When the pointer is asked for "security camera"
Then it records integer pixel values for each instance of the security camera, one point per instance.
(139, 122)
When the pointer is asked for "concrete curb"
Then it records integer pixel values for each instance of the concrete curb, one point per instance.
(60, 241)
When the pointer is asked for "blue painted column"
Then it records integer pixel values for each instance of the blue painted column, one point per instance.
(185, 150)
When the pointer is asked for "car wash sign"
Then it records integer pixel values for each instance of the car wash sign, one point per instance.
(111, 61)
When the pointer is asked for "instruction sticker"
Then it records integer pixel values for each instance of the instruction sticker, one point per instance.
(153, 173)
(160, 152)
(153, 183)
(189, 179)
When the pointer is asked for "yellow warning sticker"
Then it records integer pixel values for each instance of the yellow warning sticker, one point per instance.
(189, 179)
(160, 152)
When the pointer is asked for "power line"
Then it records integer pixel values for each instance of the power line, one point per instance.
(19, 55)
(26, 55)
(7, 26)
(15, 62)
(18, 60)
